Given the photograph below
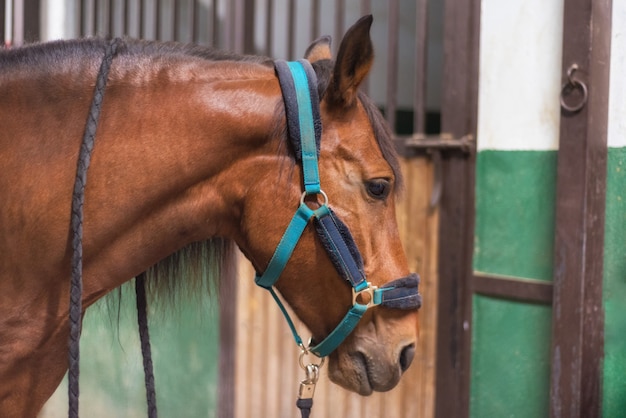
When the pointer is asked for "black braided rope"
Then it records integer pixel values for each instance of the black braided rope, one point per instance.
(305, 406)
(78, 200)
(144, 336)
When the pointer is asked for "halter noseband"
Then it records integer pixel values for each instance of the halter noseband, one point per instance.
(298, 84)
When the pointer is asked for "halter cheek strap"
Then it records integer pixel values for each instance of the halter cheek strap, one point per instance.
(299, 89)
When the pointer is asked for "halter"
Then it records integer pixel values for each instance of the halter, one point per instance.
(298, 83)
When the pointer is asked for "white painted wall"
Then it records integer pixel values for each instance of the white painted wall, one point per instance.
(617, 94)
(519, 80)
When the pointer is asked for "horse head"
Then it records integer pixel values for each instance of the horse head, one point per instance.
(360, 177)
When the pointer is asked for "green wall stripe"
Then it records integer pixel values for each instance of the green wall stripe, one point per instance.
(614, 287)
(510, 371)
(515, 213)
(514, 236)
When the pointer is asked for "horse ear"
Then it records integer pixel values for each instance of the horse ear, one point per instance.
(319, 49)
(354, 60)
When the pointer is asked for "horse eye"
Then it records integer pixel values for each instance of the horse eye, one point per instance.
(378, 188)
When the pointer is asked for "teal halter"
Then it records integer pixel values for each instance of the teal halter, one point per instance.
(299, 88)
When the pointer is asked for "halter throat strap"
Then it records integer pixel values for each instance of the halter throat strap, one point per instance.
(299, 89)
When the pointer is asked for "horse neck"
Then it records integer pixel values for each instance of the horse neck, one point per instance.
(173, 166)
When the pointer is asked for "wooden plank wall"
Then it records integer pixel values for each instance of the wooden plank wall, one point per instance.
(267, 373)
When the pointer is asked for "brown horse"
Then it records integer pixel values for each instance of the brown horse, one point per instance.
(190, 149)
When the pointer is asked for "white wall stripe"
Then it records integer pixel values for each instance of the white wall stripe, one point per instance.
(519, 81)
(617, 92)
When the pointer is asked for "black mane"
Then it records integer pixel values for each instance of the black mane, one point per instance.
(53, 52)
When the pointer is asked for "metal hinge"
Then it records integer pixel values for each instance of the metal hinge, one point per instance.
(433, 146)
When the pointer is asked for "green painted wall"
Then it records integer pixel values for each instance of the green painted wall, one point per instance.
(185, 348)
(515, 213)
(510, 374)
(510, 364)
(614, 287)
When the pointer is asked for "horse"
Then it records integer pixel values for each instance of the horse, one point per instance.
(192, 158)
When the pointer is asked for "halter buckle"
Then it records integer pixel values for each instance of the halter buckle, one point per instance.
(366, 296)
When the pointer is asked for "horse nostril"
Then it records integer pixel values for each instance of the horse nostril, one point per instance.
(406, 356)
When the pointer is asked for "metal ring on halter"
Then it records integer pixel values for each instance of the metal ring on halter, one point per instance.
(301, 359)
(569, 86)
(305, 194)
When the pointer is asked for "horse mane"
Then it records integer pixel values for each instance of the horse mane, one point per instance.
(203, 265)
(136, 59)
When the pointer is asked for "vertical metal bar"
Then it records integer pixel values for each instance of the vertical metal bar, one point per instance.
(392, 63)
(315, 19)
(238, 28)
(127, 25)
(119, 16)
(456, 209)
(157, 20)
(421, 54)
(85, 18)
(340, 16)
(8, 22)
(195, 27)
(32, 21)
(110, 24)
(81, 18)
(94, 16)
(249, 25)
(577, 311)
(142, 22)
(81, 25)
(188, 24)
(96, 13)
(227, 31)
(214, 24)
(175, 19)
(291, 29)
(3, 22)
(185, 21)
(18, 22)
(228, 334)
(269, 29)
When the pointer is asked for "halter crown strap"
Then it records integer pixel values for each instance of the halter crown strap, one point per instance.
(303, 119)
(298, 84)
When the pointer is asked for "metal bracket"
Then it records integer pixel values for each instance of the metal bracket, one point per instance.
(442, 142)
(433, 146)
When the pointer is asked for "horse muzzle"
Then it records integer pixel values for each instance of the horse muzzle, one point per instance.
(372, 360)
